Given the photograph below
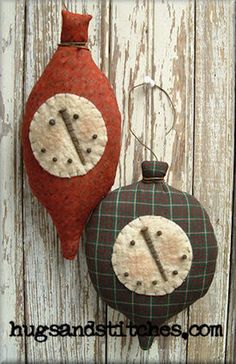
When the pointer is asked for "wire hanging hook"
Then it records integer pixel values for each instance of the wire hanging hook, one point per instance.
(148, 81)
(64, 5)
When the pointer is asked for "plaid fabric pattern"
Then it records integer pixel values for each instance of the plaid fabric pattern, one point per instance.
(122, 206)
(154, 169)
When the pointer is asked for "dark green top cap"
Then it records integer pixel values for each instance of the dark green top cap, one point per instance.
(152, 169)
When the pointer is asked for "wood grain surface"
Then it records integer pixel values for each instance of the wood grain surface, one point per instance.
(11, 232)
(213, 181)
(187, 46)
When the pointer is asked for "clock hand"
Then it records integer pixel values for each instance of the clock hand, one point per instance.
(66, 118)
(153, 252)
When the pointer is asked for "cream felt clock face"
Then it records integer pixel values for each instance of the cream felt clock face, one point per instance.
(152, 255)
(68, 135)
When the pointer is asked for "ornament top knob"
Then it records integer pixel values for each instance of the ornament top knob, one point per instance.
(74, 27)
(153, 169)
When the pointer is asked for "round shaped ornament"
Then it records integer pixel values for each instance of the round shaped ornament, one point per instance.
(151, 249)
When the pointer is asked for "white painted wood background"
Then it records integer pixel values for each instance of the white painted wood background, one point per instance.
(188, 47)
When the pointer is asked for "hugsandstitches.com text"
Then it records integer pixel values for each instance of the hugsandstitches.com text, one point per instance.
(41, 333)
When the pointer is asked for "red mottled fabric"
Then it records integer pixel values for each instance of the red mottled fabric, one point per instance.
(71, 200)
(74, 27)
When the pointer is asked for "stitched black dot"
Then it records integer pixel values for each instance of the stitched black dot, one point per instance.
(139, 283)
(175, 272)
(126, 274)
(54, 159)
(52, 122)
(76, 116)
(43, 150)
(95, 136)
(154, 283)
(132, 242)
(69, 160)
(89, 150)
(184, 256)
(159, 233)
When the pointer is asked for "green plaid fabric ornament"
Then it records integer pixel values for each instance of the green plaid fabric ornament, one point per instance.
(151, 250)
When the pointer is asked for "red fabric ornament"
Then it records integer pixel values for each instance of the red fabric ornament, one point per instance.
(71, 71)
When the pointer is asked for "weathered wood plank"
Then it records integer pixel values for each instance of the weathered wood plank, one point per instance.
(173, 69)
(129, 23)
(11, 253)
(230, 353)
(57, 291)
(144, 41)
(213, 162)
(128, 66)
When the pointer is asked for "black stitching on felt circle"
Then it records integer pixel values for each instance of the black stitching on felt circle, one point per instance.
(159, 233)
(52, 122)
(43, 150)
(175, 272)
(184, 256)
(95, 136)
(132, 243)
(139, 283)
(69, 161)
(126, 274)
(154, 282)
(89, 150)
(54, 159)
(75, 116)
